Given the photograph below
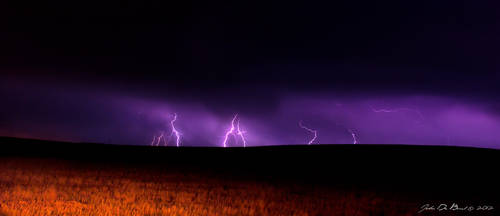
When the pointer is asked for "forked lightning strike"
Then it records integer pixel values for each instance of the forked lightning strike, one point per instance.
(229, 132)
(310, 130)
(234, 131)
(157, 139)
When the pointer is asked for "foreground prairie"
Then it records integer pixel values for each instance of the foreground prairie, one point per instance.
(54, 179)
(48, 187)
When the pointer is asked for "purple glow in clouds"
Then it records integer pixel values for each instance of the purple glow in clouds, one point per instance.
(118, 118)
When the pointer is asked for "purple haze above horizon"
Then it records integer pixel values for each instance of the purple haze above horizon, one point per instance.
(64, 113)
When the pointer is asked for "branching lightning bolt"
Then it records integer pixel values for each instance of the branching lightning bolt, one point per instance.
(234, 131)
(157, 139)
(175, 131)
(310, 130)
(230, 131)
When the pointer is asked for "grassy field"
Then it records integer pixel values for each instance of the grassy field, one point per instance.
(56, 187)
(56, 178)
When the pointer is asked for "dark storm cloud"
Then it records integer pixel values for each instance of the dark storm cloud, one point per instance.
(424, 45)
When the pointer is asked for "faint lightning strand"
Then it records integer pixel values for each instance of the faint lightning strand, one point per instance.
(354, 136)
(154, 141)
(399, 110)
(351, 132)
(310, 130)
(240, 133)
(159, 139)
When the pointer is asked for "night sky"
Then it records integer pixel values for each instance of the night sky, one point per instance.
(392, 72)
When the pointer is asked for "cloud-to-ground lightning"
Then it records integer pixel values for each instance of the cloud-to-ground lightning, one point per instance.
(175, 132)
(234, 131)
(157, 139)
(351, 132)
(154, 141)
(240, 133)
(310, 130)
(354, 136)
(230, 131)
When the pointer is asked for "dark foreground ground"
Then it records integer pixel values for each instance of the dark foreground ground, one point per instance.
(53, 178)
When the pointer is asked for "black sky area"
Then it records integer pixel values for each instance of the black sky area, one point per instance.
(248, 47)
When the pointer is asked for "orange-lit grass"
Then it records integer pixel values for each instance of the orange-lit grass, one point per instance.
(48, 187)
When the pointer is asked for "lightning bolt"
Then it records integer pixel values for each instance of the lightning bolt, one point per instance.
(153, 142)
(351, 132)
(403, 109)
(230, 131)
(310, 130)
(354, 136)
(159, 138)
(175, 131)
(234, 131)
(240, 133)
(156, 140)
